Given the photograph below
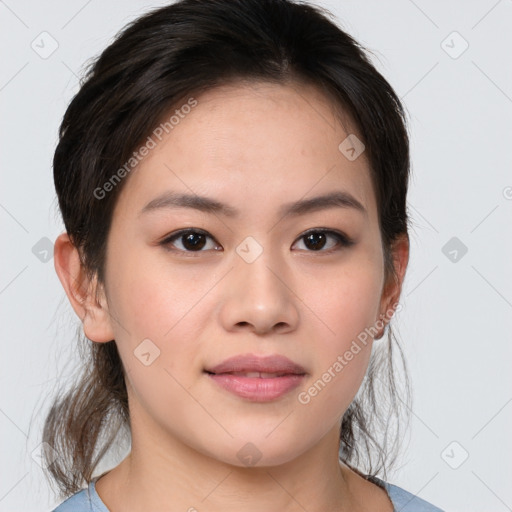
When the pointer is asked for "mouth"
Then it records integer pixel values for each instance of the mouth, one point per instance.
(271, 366)
(254, 375)
(256, 378)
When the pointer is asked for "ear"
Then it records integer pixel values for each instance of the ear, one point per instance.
(393, 287)
(81, 291)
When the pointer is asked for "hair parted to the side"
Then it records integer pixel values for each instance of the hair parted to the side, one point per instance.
(174, 53)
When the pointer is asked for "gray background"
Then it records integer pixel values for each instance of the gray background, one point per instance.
(455, 323)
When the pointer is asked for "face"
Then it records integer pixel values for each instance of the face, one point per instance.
(248, 280)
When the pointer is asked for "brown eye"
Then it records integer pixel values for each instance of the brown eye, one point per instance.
(317, 239)
(190, 240)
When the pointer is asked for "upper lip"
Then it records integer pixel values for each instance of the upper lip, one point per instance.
(253, 363)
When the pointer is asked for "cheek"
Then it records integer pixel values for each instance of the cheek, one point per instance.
(158, 340)
(163, 305)
(348, 308)
(152, 299)
(347, 304)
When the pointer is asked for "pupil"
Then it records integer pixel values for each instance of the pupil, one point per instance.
(189, 242)
(317, 239)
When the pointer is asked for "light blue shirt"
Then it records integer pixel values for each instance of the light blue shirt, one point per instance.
(88, 500)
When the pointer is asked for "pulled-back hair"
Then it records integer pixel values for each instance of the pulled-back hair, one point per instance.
(157, 62)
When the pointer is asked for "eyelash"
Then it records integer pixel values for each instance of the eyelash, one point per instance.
(343, 240)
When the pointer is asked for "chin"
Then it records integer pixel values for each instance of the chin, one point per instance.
(258, 453)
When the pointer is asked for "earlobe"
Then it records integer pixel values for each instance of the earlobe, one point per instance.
(81, 291)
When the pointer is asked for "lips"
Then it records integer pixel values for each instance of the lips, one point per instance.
(251, 365)
(257, 375)
(257, 379)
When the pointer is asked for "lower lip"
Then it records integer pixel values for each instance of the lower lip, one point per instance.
(257, 389)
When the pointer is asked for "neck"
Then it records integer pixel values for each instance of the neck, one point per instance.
(184, 479)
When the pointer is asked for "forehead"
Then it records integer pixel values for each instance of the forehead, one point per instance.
(252, 145)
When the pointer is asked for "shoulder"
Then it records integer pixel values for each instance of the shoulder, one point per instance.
(85, 500)
(79, 502)
(404, 501)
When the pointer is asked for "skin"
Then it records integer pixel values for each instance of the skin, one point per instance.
(253, 147)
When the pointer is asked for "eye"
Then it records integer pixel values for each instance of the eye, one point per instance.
(315, 240)
(191, 240)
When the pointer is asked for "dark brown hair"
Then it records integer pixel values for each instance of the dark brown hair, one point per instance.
(176, 52)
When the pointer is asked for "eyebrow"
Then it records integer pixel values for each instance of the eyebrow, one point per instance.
(173, 200)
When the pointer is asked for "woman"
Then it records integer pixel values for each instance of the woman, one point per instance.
(232, 177)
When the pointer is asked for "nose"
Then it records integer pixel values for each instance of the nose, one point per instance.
(259, 297)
